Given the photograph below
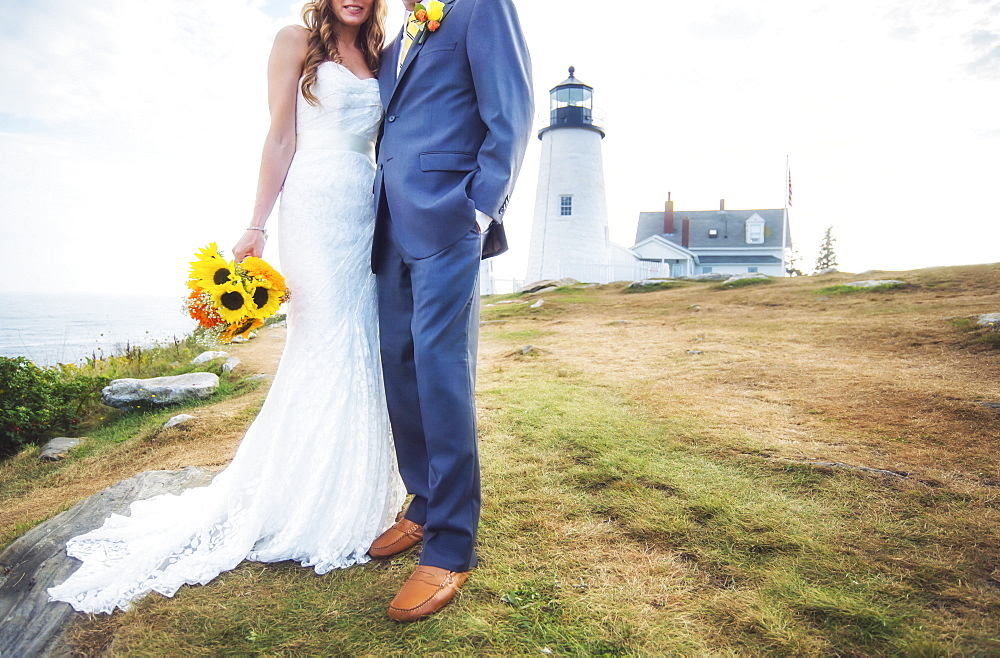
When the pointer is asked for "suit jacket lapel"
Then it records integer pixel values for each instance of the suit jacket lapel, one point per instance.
(422, 36)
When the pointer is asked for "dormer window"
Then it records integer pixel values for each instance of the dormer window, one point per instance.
(713, 232)
(755, 229)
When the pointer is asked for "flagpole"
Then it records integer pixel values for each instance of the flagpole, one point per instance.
(784, 222)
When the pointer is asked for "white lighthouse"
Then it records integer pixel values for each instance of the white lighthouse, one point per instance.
(569, 234)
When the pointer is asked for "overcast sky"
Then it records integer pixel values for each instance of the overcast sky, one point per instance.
(130, 132)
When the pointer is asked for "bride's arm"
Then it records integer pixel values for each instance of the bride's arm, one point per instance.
(283, 71)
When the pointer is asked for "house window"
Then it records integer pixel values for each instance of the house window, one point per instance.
(713, 233)
(706, 269)
(752, 269)
(755, 230)
(565, 206)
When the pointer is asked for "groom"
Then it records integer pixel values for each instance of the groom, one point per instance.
(456, 88)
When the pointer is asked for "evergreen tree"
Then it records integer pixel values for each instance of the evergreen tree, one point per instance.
(827, 258)
(792, 259)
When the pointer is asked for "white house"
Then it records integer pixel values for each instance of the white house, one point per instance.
(670, 243)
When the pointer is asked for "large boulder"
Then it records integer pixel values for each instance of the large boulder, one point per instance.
(127, 394)
(29, 624)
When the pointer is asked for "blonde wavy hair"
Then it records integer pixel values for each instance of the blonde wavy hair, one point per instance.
(320, 20)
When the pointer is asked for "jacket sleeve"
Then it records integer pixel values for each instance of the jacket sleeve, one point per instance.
(501, 73)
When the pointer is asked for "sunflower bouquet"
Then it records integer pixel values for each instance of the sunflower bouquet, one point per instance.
(232, 299)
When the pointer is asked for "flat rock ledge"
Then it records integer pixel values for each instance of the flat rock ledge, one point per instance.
(128, 394)
(29, 624)
(875, 283)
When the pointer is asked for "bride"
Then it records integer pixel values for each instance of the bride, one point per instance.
(315, 478)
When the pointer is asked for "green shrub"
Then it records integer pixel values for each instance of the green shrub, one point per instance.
(36, 402)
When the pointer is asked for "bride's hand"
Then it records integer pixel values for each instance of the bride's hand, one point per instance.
(251, 244)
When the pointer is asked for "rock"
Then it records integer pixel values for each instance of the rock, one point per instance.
(873, 283)
(127, 394)
(646, 282)
(829, 270)
(549, 283)
(29, 624)
(241, 339)
(177, 420)
(56, 449)
(991, 320)
(543, 290)
(748, 275)
(205, 357)
(709, 276)
(537, 304)
(526, 350)
(511, 301)
(259, 377)
(230, 364)
(695, 352)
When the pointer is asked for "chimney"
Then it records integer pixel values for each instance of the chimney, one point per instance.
(668, 216)
(685, 232)
(722, 204)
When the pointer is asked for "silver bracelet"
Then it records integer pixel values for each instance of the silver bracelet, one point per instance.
(258, 228)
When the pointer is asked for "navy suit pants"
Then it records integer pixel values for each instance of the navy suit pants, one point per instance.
(429, 328)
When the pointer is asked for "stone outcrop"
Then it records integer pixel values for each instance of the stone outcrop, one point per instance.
(874, 283)
(549, 283)
(205, 357)
(991, 320)
(128, 394)
(57, 449)
(29, 624)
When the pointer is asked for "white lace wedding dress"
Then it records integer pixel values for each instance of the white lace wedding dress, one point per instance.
(315, 477)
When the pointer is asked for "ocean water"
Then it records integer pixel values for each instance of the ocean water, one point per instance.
(66, 328)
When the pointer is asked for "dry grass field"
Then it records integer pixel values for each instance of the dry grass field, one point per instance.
(666, 472)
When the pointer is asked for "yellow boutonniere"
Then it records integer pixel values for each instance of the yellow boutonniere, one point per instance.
(429, 17)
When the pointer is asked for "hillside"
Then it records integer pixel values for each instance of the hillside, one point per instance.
(664, 472)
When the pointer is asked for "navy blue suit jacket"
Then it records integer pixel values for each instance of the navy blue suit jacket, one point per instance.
(457, 121)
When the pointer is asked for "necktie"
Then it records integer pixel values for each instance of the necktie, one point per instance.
(412, 27)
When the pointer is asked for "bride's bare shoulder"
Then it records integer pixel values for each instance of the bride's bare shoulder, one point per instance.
(292, 38)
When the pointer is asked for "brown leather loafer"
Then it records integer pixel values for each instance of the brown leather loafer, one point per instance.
(428, 590)
(401, 536)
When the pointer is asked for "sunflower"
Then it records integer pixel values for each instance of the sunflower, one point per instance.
(265, 275)
(232, 303)
(241, 328)
(265, 301)
(199, 306)
(211, 270)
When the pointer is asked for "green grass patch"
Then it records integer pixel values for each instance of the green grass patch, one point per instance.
(608, 531)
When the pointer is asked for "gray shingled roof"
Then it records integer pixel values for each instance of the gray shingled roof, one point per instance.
(731, 225)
